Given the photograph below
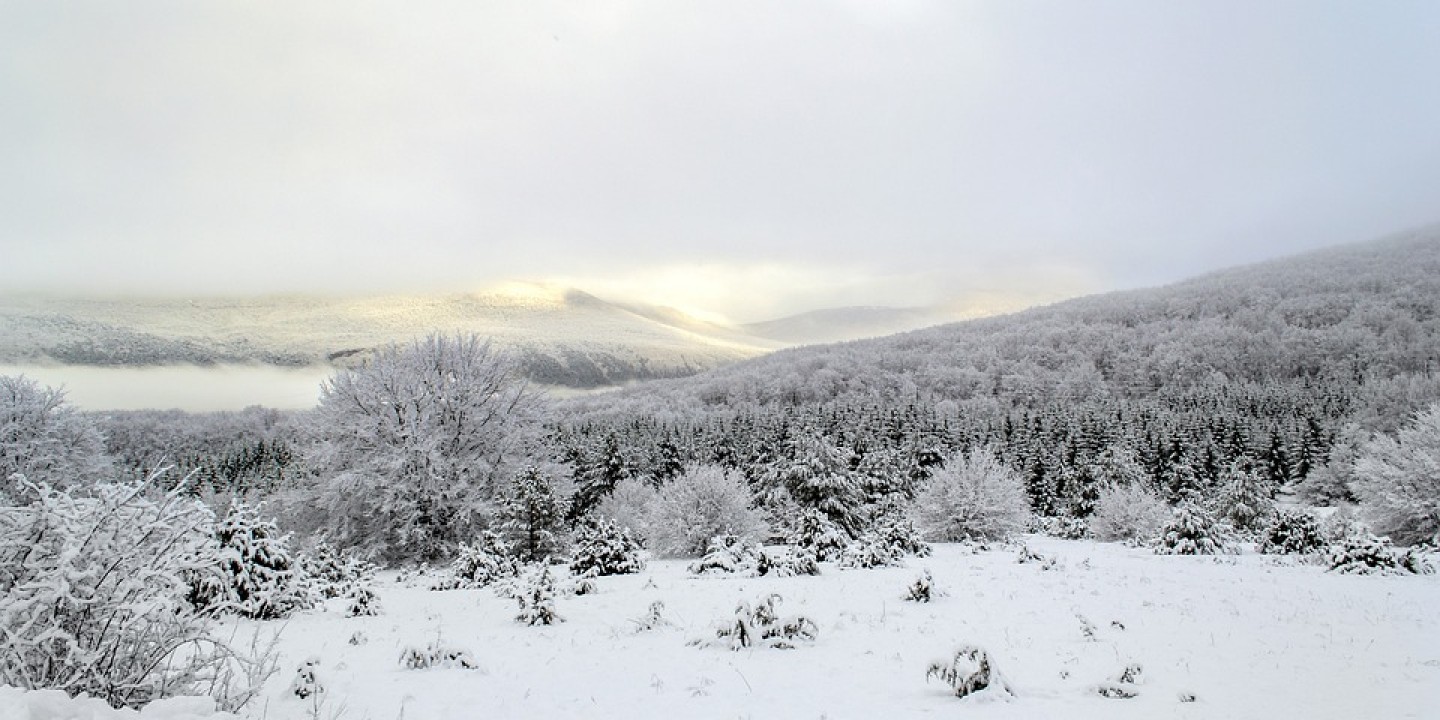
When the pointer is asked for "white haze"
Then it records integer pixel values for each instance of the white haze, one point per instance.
(183, 387)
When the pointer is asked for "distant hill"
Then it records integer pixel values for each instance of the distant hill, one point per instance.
(1355, 313)
(562, 336)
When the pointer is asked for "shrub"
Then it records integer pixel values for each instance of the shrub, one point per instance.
(332, 573)
(92, 599)
(306, 682)
(629, 506)
(247, 569)
(604, 548)
(870, 551)
(702, 502)
(654, 618)
(1192, 531)
(1128, 512)
(970, 671)
(437, 654)
(1293, 532)
(479, 565)
(759, 625)
(728, 554)
(363, 603)
(1366, 554)
(922, 590)
(786, 562)
(972, 496)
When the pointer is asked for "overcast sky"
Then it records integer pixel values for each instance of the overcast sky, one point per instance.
(753, 157)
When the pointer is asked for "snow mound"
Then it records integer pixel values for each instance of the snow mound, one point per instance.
(47, 704)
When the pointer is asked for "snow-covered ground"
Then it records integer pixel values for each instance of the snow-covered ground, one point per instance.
(1247, 636)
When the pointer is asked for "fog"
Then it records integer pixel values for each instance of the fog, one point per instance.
(184, 387)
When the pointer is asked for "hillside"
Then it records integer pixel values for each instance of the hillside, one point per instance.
(563, 336)
(1258, 373)
(1368, 311)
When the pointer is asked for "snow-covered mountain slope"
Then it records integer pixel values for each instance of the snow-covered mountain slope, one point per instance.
(562, 336)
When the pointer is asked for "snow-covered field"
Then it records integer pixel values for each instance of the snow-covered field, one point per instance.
(1247, 636)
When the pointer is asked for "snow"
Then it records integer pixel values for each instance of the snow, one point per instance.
(1248, 636)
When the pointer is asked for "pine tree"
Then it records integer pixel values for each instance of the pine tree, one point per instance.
(531, 515)
(248, 570)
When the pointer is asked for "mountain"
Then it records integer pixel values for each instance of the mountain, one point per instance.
(562, 336)
(835, 325)
(1351, 315)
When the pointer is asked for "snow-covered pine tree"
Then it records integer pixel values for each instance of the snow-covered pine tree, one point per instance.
(480, 564)
(531, 515)
(1293, 532)
(1192, 531)
(536, 597)
(1246, 499)
(248, 569)
(819, 476)
(815, 533)
(603, 548)
(333, 573)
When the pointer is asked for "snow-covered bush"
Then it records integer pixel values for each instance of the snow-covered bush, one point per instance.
(900, 533)
(922, 590)
(1193, 531)
(478, 565)
(653, 618)
(972, 496)
(437, 654)
(1128, 512)
(728, 554)
(702, 502)
(1125, 685)
(1293, 532)
(247, 569)
(1065, 527)
(1366, 554)
(409, 444)
(604, 548)
(92, 599)
(44, 439)
(969, 671)
(870, 551)
(1398, 481)
(363, 603)
(815, 532)
(306, 682)
(536, 598)
(628, 506)
(759, 625)
(333, 573)
(531, 515)
(786, 562)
